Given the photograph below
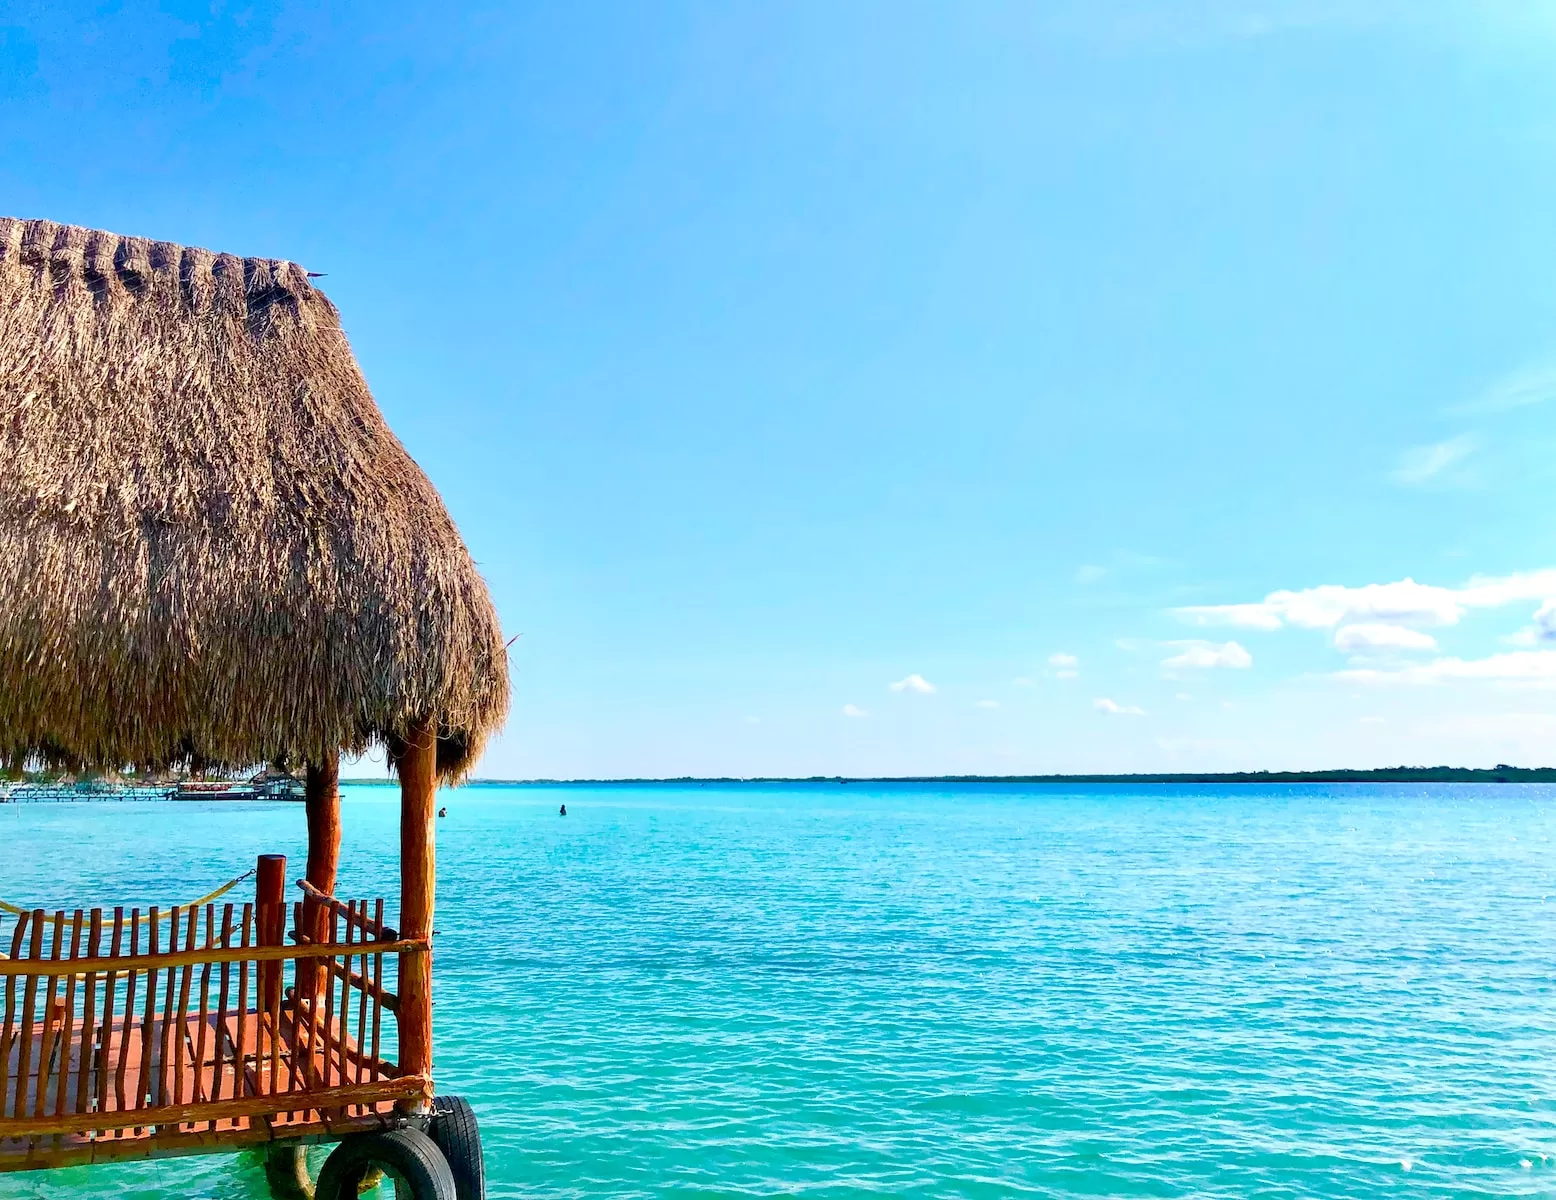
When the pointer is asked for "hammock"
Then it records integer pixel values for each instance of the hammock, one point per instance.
(58, 919)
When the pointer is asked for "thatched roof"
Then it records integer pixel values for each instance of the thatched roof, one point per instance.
(213, 551)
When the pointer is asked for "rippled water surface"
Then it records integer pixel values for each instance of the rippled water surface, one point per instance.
(935, 991)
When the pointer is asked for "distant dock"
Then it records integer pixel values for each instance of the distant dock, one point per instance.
(71, 793)
(271, 786)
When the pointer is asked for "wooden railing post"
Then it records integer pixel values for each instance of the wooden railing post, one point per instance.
(418, 786)
(270, 923)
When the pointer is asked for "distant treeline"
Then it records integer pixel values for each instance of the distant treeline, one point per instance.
(1498, 774)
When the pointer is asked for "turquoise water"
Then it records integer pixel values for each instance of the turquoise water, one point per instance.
(836, 991)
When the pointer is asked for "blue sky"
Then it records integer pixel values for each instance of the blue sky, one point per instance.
(883, 388)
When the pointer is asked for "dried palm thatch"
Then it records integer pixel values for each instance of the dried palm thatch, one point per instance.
(213, 551)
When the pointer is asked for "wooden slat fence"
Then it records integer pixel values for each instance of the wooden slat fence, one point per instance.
(131, 1025)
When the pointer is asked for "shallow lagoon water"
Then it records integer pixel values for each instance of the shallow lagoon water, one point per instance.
(966, 991)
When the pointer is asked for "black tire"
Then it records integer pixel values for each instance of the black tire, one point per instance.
(455, 1131)
(408, 1156)
(286, 1171)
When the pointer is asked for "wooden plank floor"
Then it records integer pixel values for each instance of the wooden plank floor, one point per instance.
(141, 1065)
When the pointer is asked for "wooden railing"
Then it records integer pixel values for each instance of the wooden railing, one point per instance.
(179, 1024)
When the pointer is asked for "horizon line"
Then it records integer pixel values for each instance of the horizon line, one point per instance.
(1501, 773)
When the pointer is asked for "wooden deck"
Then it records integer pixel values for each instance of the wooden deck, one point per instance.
(191, 1042)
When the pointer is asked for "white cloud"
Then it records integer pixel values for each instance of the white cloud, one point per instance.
(1507, 589)
(1065, 666)
(1529, 667)
(1103, 705)
(1353, 639)
(853, 710)
(1243, 616)
(1208, 654)
(1403, 602)
(913, 683)
(1523, 388)
(1422, 464)
(988, 704)
(1090, 573)
(1543, 629)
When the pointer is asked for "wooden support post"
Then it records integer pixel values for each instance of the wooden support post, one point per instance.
(321, 795)
(418, 787)
(270, 923)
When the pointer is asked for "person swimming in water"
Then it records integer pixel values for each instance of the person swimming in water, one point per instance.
(563, 813)
(443, 812)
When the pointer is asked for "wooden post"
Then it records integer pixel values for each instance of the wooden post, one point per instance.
(321, 795)
(270, 923)
(418, 788)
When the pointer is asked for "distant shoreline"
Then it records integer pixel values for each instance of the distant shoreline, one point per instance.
(1498, 774)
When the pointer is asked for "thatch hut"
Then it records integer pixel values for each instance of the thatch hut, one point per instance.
(213, 551)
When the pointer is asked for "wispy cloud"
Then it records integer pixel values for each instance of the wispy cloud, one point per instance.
(1103, 705)
(1404, 602)
(913, 683)
(988, 704)
(1525, 387)
(1204, 655)
(1243, 616)
(1065, 666)
(1356, 639)
(1117, 565)
(1528, 667)
(853, 710)
(1425, 464)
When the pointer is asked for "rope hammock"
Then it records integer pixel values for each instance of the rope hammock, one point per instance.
(60, 919)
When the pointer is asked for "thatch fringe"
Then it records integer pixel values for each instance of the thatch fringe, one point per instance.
(213, 551)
